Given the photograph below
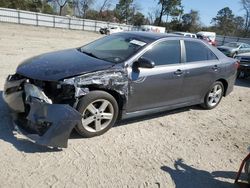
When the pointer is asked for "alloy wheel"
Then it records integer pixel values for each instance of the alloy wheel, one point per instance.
(97, 115)
(215, 95)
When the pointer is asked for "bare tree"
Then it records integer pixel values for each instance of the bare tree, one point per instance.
(105, 4)
(153, 15)
(83, 6)
(246, 7)
(150, 17)
(61, 4)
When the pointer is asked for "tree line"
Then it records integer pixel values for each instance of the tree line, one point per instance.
(167, 13)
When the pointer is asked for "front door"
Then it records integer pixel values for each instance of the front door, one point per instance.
(158, 86)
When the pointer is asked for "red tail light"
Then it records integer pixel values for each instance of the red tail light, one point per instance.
(237, 64)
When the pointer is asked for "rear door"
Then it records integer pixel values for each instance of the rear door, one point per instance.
(201, 69)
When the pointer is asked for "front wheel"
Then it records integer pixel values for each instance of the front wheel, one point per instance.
(213, 96)
(234, 54)
(99, 112)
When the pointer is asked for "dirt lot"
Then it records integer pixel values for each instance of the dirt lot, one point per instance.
(187, 148)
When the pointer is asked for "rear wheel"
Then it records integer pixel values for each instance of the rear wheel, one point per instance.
(99, 112)
(213, 96)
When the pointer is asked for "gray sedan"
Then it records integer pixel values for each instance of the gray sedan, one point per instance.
(233, 48)
(120, 76)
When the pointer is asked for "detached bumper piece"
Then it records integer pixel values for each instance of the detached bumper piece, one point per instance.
(48, 124)
(37, 118)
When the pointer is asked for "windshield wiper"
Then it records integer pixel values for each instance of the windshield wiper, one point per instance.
(90, 54)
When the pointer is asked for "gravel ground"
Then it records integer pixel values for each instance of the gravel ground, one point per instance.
(189, 147)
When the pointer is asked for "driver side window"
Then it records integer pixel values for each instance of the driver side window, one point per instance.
(165, 53)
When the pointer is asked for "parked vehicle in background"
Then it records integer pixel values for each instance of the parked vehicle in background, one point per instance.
(115, 29)
(204, 38)
(232, 49)
(152, 28)
(244, 65)
(210, 37)
(103, 30)
(119, 76)
(111, 30)
(185, 34)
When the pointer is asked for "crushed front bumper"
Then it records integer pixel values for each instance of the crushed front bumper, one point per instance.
(48, 124)
(36, 117)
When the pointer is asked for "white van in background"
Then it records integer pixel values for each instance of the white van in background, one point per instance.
(186, 34)
(152, 28)
(209, 36)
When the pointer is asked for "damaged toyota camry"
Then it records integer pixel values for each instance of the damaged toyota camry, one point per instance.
(120, 76)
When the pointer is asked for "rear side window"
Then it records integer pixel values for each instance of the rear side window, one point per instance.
(196, 51)
(245, 46)
(165, 53)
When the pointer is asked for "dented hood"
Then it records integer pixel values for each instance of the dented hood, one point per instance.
(58, 65)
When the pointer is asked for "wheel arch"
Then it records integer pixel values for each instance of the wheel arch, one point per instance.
(225, 85)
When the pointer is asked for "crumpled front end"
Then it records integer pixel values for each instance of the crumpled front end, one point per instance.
(47, 109)
(38, 118)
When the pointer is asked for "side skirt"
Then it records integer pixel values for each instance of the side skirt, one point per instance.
(158, 110)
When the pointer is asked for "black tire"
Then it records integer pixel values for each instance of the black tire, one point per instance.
(206, 104)
(89, 99)
(238, 74)
(247, 170)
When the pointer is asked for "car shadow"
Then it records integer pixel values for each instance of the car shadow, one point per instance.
(185, 176)
(6, 134)
(243, 82)
(129, 121)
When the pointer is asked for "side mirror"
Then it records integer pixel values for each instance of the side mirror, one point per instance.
(144, 63)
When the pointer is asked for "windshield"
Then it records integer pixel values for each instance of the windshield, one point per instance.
(233, 45)
(114, 48)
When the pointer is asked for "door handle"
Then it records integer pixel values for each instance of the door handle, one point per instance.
(215, 67)
(178, 72)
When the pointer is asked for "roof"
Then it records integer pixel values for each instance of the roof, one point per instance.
(183, 33)
(148, 36)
